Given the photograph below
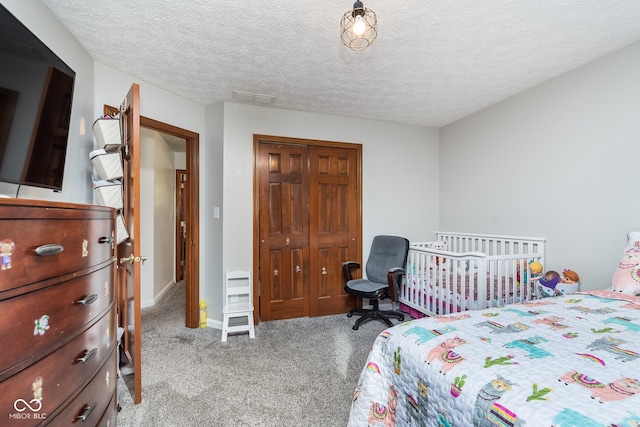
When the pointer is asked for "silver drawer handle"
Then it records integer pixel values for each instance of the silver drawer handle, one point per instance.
(105, 240)
(51, 249)
(88, 299)
(88, 355)
(87, 412)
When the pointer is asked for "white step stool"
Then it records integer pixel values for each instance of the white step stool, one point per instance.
(238, 303)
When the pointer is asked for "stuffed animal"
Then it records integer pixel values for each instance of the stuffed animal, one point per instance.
(633, 239)
(536, 270)
(626, 279)
(569, 276)
(569, 282)
(547, 284)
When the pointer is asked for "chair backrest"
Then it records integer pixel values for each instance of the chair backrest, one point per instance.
(386, 252)
(238, 287)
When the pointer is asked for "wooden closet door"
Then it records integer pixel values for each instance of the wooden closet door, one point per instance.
(284, 231)
(334, 213)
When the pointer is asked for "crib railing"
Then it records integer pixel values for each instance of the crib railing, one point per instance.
(474, 272)
(493, 244)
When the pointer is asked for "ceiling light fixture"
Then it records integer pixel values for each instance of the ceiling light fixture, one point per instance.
(359, 27)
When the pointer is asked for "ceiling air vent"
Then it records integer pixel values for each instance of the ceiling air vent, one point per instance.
(253, 97)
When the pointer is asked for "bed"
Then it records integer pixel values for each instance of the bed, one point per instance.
(565, 361)
(459, 272)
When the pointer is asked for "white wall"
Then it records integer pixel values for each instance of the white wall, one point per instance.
(557, 161)
(164, 219)
(155, 103)
(180, 160)
(400, 177)
(211, 187)
(77, 185)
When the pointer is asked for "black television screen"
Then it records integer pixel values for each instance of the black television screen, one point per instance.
(36, 92)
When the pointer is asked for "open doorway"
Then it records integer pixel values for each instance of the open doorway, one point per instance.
(175, 155)
(191, 141)
(162, 214)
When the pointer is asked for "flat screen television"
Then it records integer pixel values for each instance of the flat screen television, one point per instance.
(36, 92)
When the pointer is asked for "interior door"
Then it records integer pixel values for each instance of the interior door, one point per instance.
(333, 218)
(181, 224)
(129, 258)
(284, 231)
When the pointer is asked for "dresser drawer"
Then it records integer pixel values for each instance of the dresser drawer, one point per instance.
(111, 413)
(45, 385)
(32, 250)
(90, 405)
(38, 322)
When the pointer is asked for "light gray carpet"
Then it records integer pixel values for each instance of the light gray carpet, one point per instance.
(297, 372)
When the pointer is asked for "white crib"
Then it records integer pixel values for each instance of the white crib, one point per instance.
(459, 272)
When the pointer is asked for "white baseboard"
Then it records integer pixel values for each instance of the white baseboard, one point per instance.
(147, 303)
(158, 297)
(216, 324)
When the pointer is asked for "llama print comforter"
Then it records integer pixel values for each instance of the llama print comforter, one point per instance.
(567, 361)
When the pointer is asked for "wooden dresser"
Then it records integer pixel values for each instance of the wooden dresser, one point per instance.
(58, 352)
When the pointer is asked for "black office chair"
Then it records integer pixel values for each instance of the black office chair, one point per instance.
(385, 268)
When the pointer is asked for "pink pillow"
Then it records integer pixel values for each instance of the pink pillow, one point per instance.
(626, 279)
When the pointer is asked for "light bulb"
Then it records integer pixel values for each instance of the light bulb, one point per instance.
(359, 26)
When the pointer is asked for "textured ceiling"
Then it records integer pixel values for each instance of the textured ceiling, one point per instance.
(434, 61)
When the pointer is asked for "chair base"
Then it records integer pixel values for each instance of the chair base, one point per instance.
(226, 328)
(367, 314)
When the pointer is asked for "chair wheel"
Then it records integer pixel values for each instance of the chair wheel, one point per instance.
(349, 314)
(355, 327)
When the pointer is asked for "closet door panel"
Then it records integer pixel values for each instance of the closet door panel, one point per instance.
(284, 231)
(333, 188)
